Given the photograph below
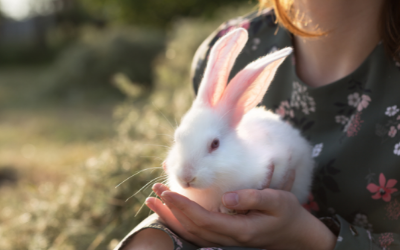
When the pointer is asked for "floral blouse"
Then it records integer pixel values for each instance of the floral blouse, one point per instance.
(354, 125)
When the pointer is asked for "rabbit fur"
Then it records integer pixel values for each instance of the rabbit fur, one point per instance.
(225, 143)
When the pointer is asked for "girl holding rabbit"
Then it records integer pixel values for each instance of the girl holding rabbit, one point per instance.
(341, 89)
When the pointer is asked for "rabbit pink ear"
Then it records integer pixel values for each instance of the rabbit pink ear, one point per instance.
(247, 89)
(222, 57)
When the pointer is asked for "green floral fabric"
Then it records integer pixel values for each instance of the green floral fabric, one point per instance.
(353, 124)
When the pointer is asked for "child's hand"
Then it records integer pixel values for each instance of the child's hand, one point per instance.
(276, 220)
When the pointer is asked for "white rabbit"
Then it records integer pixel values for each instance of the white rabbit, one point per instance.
(224, 143)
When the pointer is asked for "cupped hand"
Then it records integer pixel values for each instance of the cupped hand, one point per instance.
(275, 220)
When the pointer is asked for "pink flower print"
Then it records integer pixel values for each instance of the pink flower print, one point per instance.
(284, 110)
(391, 111)
(393, 210)
(354, 125)
(398, 126)
(285, 104)
(280, 111)
(311, 205)
(398, 118)
(365, 100)
(392, 131)
(384, 190)
(385, 240)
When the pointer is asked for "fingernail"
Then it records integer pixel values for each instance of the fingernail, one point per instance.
(165, 197)
(149, 202)
(231, 199)
(155, 187)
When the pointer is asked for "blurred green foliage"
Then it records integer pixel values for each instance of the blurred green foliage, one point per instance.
(156, 13)
(84, 210)
(84, 71)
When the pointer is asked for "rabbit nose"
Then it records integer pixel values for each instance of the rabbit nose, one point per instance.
(188, 179)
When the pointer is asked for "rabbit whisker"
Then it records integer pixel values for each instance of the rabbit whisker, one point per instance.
(140, 209)
(167, 135)
(146, 185)
(159, 111)
(156, 145)
(163, 182)
(152, 156)
(135, 175)
(150, 195)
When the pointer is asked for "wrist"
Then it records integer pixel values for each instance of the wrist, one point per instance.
(315, 234)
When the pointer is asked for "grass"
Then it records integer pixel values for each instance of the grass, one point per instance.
(41, 145)
(69, 157)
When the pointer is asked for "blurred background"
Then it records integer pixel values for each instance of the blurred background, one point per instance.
(90, 93)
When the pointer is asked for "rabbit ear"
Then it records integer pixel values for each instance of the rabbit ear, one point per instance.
(222, 56)
(248, 87)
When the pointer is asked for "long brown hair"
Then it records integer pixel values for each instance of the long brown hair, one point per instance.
(389, 23)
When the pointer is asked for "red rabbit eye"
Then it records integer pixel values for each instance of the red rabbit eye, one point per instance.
(214, 144)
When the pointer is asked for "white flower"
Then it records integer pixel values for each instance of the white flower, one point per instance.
(396, 150)
(301, 99)
(256, 42)
(392, 132)
(341, 119)
(339, 238)
(391, 111)
(317, 149)
(272, 50)
(354, 99)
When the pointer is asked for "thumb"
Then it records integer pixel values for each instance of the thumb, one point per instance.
(251, 199)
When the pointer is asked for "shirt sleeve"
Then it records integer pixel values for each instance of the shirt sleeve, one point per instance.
(358, 238)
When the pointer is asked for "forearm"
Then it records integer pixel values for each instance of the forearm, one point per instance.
(314, 233)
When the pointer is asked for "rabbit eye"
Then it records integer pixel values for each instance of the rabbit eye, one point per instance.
(214, 144)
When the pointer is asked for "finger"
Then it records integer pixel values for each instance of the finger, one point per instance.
(271, 169)
(203, 233)
(224, 224)
(250, 199)
(172, 223)
(159, 188)
(288, 180)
